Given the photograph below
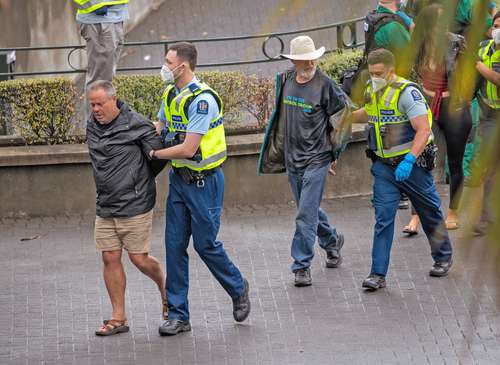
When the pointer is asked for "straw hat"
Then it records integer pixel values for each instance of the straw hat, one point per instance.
(302, 49)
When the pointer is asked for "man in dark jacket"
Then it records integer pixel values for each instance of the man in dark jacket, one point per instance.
(119, 139)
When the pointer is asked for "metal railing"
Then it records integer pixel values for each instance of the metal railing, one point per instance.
(340, 28)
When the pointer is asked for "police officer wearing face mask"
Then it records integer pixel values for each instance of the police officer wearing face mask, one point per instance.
(193, 113)
(488, 67)
(400, 146)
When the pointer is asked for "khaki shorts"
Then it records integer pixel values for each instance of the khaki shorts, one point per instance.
(133, 234)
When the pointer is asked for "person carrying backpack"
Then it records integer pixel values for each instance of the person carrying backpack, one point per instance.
(383, 28)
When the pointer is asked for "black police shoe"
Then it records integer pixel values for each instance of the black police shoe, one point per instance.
(303, 277)
(440, 269)
(404, 203)
(172, 327)
(241, 305)
(333, 256)
(374, 282)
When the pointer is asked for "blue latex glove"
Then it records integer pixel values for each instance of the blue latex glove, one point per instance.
(404, 168)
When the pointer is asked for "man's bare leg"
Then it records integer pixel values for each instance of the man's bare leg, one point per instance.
(150, 266)
(114, 277)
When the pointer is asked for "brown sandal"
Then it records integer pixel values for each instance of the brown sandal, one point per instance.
(164, 311)
(410, 232)
(112, 327)
(452, 225)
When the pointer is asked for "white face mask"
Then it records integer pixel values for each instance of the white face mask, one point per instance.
(378, 83)
(167, 75)
(495, 34)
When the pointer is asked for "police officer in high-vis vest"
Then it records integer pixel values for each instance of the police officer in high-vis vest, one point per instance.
(401, 148)
(191, 116)
(488, 67)
(101, 26)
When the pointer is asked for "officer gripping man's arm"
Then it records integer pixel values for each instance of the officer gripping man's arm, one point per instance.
(193, 112)
(186, 149)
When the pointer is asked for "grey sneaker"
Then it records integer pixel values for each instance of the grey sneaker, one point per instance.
(403, 202)
(374, 282)
(241, 305)
(440, 269)
(303, 277)
(172, 327)
(333, 256)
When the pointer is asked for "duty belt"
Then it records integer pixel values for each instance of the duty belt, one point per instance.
(391, 161)
(427, 158)
(190, 176)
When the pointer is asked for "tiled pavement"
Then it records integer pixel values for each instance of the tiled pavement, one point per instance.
(52, 298)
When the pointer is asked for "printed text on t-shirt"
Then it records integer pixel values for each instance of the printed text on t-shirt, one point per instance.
(298, 102)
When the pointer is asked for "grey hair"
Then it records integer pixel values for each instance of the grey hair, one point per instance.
(105, 85)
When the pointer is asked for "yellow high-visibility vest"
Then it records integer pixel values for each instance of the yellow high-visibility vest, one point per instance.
(88, 6)
(392, 130)
(490, 56)
(213, 144)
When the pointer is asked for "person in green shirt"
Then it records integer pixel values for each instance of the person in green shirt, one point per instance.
(465, 14)
(393, 35)
(385, 27)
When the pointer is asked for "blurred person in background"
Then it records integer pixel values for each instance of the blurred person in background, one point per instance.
(488, 67)
(101, 26)
(435, 51)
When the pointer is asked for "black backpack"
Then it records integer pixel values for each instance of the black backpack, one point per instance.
(373, 22)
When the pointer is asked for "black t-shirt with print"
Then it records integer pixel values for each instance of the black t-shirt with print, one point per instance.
(307, 109)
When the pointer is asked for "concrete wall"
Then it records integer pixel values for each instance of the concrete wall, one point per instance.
(51, 22)
(57, 180)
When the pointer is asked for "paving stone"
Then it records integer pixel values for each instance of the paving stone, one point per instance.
(53, 297)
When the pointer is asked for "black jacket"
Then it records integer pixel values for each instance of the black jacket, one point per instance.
(123, 174)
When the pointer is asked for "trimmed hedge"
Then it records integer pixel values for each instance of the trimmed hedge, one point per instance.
(334, 64)
(142, 92)
(239, 92)
(40, 110)
(43, 110)
(242, 95)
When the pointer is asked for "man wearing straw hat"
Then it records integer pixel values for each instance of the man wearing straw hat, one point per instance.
(297, 142)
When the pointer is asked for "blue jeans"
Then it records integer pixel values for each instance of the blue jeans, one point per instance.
(422, 193)
(311, 220)
(195, 211)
